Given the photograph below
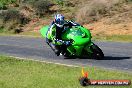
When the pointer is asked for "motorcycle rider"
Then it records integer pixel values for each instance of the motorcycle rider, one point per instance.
(53, 35)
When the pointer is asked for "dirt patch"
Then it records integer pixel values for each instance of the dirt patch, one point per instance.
(101, 28)
(35, 24)
(97, 28)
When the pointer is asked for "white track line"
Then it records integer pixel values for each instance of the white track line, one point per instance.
(66, 64)
(44, 61)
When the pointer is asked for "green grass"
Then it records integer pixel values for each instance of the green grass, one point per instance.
(15, 73)
(2, 30)
(119, 38)
(33, 34)
(25, 34)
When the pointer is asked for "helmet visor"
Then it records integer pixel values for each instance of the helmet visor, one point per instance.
(60, 22)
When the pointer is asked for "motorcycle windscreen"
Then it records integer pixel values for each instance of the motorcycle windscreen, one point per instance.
(71, 33)
(44, 30)
(77, 32)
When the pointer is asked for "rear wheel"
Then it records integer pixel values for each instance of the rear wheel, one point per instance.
(97, 52)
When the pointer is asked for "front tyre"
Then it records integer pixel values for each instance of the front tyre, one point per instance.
(97, 52)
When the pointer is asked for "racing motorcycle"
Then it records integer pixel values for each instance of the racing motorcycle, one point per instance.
(81, 43)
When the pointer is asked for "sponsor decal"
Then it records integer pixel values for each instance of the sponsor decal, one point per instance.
(85, 81)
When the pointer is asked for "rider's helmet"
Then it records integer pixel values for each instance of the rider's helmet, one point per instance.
(59, 20)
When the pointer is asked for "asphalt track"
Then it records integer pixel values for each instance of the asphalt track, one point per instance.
(117, 55)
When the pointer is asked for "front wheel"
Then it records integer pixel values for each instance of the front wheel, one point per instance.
(97, 52)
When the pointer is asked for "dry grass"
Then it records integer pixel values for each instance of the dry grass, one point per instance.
(101, 28)
(106, 17)
(94, 10)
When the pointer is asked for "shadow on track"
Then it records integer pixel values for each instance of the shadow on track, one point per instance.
(115, 58)
(105, 58)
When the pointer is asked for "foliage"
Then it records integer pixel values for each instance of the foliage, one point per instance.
(12, 19)
(41, 7)
(3, 3)
(95, 10)
(60, 2)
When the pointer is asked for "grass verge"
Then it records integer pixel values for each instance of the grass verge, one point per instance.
(118, 38)
(26, 34)
(15, 73)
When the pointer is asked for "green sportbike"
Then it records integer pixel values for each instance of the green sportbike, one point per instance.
(81, 44)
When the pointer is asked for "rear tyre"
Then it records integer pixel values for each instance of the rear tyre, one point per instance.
(97, 52)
